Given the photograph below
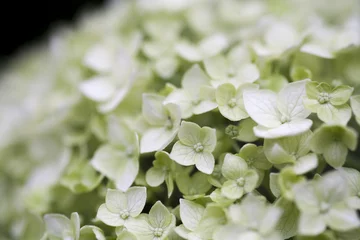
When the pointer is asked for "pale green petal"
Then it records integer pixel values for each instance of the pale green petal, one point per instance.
(334, 115)
(208, 138)
(109, 218)
(312, 90)
(305, 164)
(349, 138)
(290, 100)
(136, 199)
(166, 66)
(89, 232)
(236, 113)
(310, 224)
(342, 219)
(155, 176)
(153, 109)
(156, 139)
(311, 104)
(249, 235)
(232, 190)
(355, 105)
(169, 184)
(248, 73)
(299, 73)
(182, 154)
(190, 213)
(194, 78)
(75, 220)
(270, 219)
(213, 44)
(182, 231)
(98, 89)
(99, 58)
(254, 156)
(128, 173)
(274, 184)
(140, 227)
(261, 105)
(251, 179)
(204, 106)
(306, 198)
(173, 112)
(182, 98)
(352, 177)
(159, 216)
(116, 201)
(276, 154)
(317, 50)
(340, 95)
(188, 51)
(200, 183)
(204, 162)
(233, 167)
(335, 154)
(246, 132)
(224, 93)
(189, 133)
(289, 219)
(213, 217)
(107, 160)
(332, 187)
(216, 67)
(57, 224)
(284, 130)
(125, 235)
(114, 101)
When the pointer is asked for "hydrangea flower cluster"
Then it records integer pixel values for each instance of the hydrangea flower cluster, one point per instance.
(180, 119)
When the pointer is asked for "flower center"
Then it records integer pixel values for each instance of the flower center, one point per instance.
(198, 147)
(324, 207)
(124, 214)
(241, 181)
(250, 161)
(323, 97)
(232, 130)
(158, 232)
(284, 119)
(232, 102)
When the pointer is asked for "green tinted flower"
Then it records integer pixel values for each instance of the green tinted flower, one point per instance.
(329, 103)
(164, 169)
(240, 179)
(120, 207)
(322, 203)
(278, 115)
(195, 146)
(153, 226)
(333, 141)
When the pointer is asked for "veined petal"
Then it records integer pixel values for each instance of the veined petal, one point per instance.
(109, 218)
(182, 154)
(261, 106)
(286, 129)
(156, 139)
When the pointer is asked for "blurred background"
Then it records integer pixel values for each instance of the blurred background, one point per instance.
(24, 22)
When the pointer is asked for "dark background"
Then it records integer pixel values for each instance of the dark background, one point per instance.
(23, 22)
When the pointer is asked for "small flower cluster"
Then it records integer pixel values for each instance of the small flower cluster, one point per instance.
(181, 119)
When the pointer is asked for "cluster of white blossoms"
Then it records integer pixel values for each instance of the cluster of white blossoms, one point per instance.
(186, 119)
